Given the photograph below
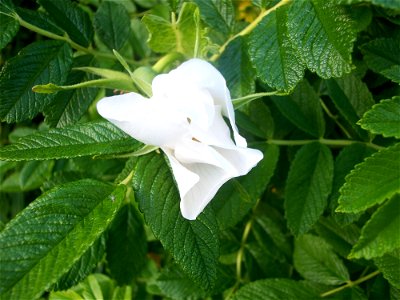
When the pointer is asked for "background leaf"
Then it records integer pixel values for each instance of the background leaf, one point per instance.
(272, 53)
(9, 27)
(371, 182)
(315, 261)
(389, 265)
(126, 245)
(381, 233)
(96, 138)
(383, 118)
(323, 33)
(71, 18)
(308, 185)
(38, 63)
(112, 24)
(193, 244)
(34, 257)
(381, 56)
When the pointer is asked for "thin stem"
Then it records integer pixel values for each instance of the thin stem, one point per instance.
(128, 179)
(249, 28)
(335, 119)
(350, 284)
(328, 142)
(164, 61)
(66, 39)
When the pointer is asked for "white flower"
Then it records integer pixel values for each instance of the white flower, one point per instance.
(184, 117)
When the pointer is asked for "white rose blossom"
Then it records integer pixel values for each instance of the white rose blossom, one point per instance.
(184, 117)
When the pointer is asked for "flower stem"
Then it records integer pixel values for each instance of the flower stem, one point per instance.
(350, 284)
(249, 28)
(328, 142)
(164, 61)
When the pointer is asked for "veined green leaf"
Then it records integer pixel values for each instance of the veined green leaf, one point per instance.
(96, 138)
(52, 233)
(381, 233)
(371, 182)
(352, 98)
(180, 36)
(271, 289)
(236, 197)
(235, 66)
(112, 24)
(381, 55)
(307, 187)
(272, 53)
(393, 4)
(37, 63)
(389, 265)
(383, 118)
(323, 33)
(126, 245)
(314, 259)
(9, 27)
(40, 19)
(193, 244)
(71, 18)
(303, 109)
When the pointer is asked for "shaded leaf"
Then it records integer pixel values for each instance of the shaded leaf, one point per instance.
(389, 265)
(9, 27)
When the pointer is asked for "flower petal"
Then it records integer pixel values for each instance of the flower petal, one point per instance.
(146, 120)
(204, 75)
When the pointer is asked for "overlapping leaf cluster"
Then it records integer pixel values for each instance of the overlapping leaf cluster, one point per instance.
(86, 212)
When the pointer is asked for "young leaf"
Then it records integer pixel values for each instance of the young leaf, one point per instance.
(71, 18)
(234, 64)
(352, 98)
(52, 233)
(37, 63)
(126, 245)
(307, 188)
(381, 233)
(389, 265)
(275, 289)
(323, 34)
(314, 259)
(193, 244)
(238, 196)
(381, 55)
(303, 109)
(273, 55)
(112, 24)
(9, 27)
(383, 118)
(371, 182)
(96, 138)
(180, 35)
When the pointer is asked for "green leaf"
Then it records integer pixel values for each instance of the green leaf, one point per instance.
(352, 98)
(314, 259)
(236, 197)
(303, 109)
(40, 19)
(344, 163)
(381, 55)
(261, 115)
(126, 245)
(38, 63)
(71, 18)
(272, 53)
(234, 64)
(9, 27)
(112, 24)
(173, 283)
(393, 4)
(381, 233)
(218, 15)
(193, 244)
(273, 289)
(180, 36)
(389, 265)
(44, 241)
(322, 31)
(307, 187)
(383, 118)
(82, 267)
(96, 138)
(371, 182)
